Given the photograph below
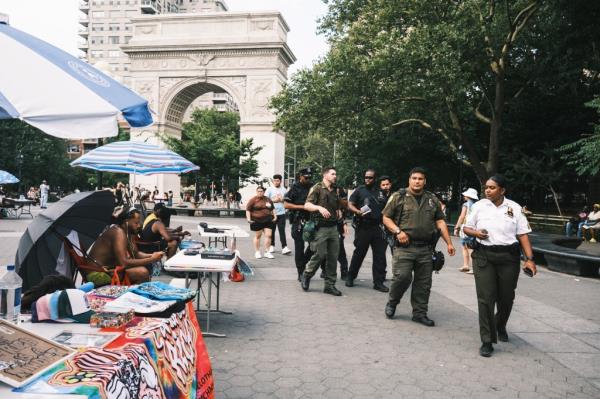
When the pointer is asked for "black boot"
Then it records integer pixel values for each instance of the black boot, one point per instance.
(502, 334)
(381, 287)
(332, 291)
(486, 349)
(305, 282)
(390, 310)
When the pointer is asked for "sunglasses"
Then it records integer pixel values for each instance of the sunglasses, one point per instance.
(369, 177)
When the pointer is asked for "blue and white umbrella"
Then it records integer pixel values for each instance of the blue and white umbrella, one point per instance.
(135, 158)
(7, 178)
(60, 94)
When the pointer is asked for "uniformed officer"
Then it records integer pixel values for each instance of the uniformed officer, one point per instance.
(325, 207)
(414, 216)
(367, 202)
(501, 230)
(385, 185)
(294, 201)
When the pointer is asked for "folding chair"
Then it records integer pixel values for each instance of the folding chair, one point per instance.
(86, 264)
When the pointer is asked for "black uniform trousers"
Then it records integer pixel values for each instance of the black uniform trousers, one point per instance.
(302, 253)
(365, 236)
(496, 275)
(279, 225)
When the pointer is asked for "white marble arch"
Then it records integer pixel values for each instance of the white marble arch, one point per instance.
(175, 58)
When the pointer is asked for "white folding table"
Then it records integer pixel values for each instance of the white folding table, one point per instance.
(228, 231)
(206, 270)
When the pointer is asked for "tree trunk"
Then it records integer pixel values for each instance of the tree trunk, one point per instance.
(555, 199)
(496, 125)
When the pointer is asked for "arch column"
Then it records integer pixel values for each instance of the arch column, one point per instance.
(270, 158)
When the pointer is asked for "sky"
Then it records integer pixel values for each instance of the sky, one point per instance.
(55, 21)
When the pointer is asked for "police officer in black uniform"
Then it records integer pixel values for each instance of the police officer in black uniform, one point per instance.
(367, 202)
(294, 201)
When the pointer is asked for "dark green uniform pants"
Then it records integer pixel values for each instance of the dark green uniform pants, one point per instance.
(407, 261)
(325, 247)
(496, 275)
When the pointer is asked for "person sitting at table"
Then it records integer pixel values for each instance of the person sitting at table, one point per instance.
(115, 247)
(155, 235)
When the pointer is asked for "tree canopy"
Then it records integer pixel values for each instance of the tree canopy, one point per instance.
(424, 82)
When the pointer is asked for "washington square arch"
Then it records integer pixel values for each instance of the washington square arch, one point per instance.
(175, 58)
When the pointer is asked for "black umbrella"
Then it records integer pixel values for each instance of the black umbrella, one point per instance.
(87, 213)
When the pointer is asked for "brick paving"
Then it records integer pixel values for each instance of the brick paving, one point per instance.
(285, 343)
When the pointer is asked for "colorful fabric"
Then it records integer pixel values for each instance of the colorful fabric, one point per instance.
(163, 292)
(153, 358)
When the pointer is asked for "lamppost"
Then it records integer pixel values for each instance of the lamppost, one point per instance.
(19, 160)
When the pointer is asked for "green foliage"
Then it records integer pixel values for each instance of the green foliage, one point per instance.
(212, 141)
(43, 156)
(584, 154)
(414, 80)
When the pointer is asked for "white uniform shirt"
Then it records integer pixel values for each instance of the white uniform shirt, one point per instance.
(503, 223)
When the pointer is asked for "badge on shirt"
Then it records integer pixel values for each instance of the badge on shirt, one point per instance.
(431, 203)
(510, 212)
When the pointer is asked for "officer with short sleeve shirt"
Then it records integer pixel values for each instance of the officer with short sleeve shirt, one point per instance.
(368, 233)
(501, 230)
(294, 202)
(414, 216)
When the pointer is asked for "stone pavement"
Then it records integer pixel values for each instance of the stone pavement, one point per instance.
(285, 343)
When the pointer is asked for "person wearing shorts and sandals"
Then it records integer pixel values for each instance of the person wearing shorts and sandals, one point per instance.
(470, 197)
(260, 213)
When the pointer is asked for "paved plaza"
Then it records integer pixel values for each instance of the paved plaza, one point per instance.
(285, 343)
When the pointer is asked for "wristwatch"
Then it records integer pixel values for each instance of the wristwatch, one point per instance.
(526, 258)
(397, 231)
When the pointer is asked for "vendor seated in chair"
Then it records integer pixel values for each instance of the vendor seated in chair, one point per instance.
(115, 247)
(156, 236)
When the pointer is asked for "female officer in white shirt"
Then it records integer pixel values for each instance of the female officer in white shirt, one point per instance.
(501, 231)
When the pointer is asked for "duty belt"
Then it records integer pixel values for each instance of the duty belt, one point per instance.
(419, 243)
(327, 223)
(499, 248)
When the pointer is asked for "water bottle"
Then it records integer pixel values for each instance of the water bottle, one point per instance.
(10, 295)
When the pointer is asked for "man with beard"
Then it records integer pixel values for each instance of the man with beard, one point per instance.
(367, 202)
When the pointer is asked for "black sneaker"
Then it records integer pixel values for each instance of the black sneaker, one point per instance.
(390, 310)
(349, 282)
(486, 349)
(332, 291)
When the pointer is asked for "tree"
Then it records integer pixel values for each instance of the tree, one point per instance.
(446, 66)
(212, 141)
(43, 156)
(583, 154)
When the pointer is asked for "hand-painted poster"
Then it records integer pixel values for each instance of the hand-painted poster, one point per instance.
(153, 358)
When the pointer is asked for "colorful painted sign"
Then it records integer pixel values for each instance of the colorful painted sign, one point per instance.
(154, 358)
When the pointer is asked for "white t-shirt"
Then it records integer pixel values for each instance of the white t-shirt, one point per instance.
(44, 188)
(503, 223)
(272, 192)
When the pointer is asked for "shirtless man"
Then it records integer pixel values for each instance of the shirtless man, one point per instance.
(115, 248)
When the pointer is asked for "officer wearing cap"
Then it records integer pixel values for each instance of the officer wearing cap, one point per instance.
(367, 202)
(501, 230)
(294, 201)
(326, 209)
(414, 216)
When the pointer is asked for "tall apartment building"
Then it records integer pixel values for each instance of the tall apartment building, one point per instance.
(106, 25)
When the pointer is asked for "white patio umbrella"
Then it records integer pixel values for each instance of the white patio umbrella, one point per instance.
(60, 94)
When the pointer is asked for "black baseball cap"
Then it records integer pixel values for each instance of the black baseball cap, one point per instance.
(306, 172)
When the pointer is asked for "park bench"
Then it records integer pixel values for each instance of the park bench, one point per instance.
(560, 254)
(548, 223)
